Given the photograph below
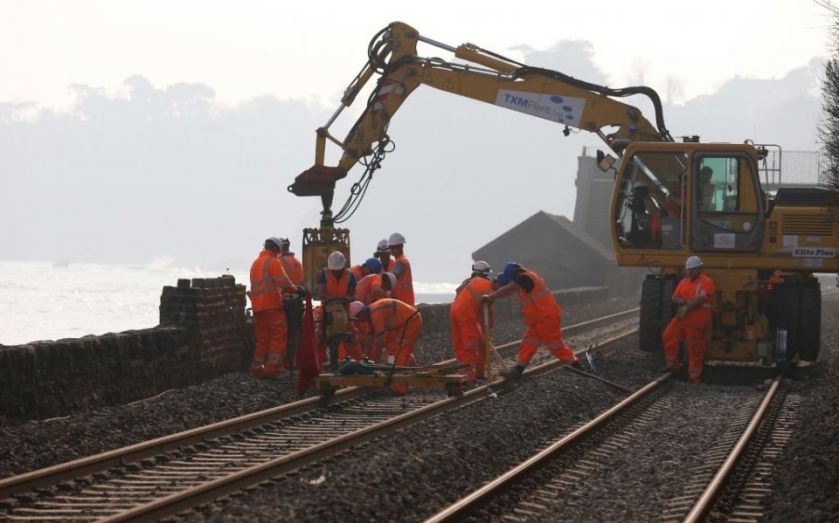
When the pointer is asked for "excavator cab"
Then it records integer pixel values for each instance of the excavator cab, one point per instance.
(672, 200)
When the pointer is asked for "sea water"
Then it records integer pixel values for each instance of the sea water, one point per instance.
(49, 301)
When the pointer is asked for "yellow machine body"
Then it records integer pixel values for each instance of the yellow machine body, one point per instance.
(671, 200)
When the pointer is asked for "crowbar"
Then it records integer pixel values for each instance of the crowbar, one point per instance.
(598, 378)
(490, 347)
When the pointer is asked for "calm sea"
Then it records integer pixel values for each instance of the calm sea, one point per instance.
(45, 301)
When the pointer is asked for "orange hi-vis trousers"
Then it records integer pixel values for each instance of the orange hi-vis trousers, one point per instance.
(270, 330)
(400, 343)
(468, 338)
(547, 331)
(693, 329)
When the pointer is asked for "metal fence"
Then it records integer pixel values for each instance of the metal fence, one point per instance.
(792, 168)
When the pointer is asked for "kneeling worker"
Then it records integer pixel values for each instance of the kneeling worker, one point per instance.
(692, 298)
(540, 312)
(394, 327)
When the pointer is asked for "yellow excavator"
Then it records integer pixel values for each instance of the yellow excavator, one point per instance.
(671, 199)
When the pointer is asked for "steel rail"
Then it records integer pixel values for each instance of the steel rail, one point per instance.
(210, 491)
(52, 475)
(88, 465)
(706, 500)
(461, 508)
(570, 328)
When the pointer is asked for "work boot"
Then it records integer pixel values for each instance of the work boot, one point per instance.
(513, 375)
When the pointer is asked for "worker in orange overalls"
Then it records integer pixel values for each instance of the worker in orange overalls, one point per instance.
(394, 327)
(692, 297)
(540, 312)
(375, 287)
(383, 255)
(292, 302)
(336, 289)
(404, 290)
(268, 281)
(371, 288)
(467, 321)
(370, 266)
(291, 264)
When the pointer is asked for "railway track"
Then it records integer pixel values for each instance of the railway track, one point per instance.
(730, 483)
(167, 475)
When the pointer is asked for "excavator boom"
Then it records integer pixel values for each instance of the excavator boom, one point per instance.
(485, 76)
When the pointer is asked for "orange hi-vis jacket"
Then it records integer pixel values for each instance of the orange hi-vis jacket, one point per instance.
(369, 289)
(268, 279)
(293, 268)
(404, 290)
(337, 287)
(539, 302)
(388, 316)
(467, 303)
(359, 273)
(701, 288)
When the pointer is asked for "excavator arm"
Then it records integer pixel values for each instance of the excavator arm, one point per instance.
(485, 76)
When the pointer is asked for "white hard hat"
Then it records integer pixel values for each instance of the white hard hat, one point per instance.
(382, 246)
(336, 261)
(355, 308)
(482, 267)
(395, 239)
(693, 262)
(392, 278)
(274, 240)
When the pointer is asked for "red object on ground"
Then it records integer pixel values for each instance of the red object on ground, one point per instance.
(308, 366)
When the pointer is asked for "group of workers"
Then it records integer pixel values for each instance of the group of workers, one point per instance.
(368, 312)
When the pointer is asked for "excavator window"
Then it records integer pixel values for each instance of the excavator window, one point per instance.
(649, 210)
(727, 207)
(719, 185)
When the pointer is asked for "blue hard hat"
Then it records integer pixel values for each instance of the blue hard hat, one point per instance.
(374, 265)
(507, 275)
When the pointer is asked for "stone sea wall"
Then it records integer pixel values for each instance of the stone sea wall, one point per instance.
(203, 333)
(200, 336)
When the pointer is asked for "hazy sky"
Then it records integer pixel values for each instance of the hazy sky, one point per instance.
(303, 50)
(134, 130)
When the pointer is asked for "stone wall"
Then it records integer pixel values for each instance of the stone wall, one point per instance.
(200, 336)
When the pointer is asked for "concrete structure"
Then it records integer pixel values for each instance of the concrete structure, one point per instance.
(594, 196)
(565, 255)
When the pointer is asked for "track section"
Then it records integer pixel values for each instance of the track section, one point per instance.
(727, 486)
(480, 504)
(164, 476)
(747, 459)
